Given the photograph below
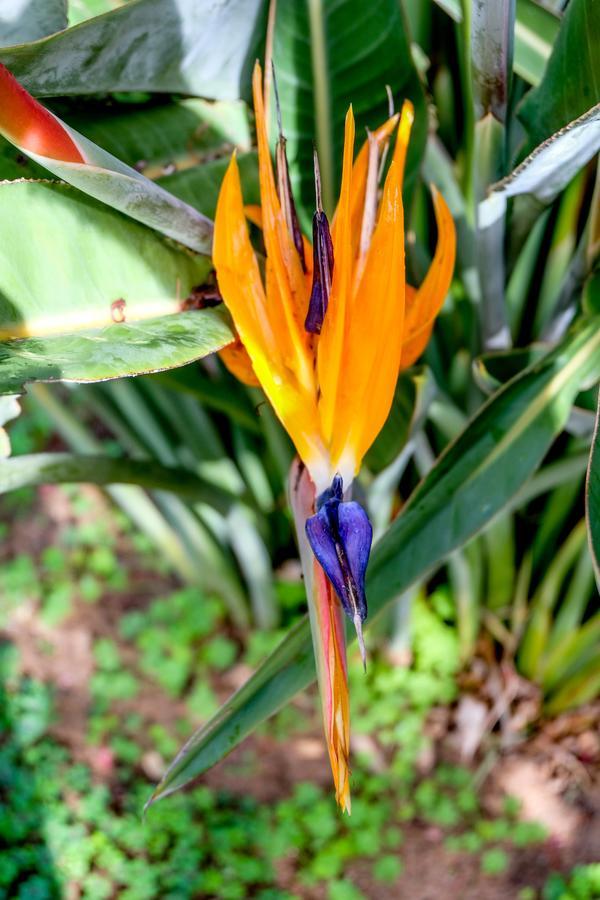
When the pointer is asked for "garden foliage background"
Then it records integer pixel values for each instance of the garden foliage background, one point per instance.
(148, 567)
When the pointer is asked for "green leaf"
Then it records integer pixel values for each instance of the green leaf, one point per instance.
(474, 479)
(162, 164)
(64, 262)
(183, 146)
(592, 498)
(65, 258)
(552, 165)
(71, 468)
(171, 46)
(571, 83)
(152, 135)
(117, 351)
(199, 186)
(535, 639)
(329, 54)
(536, 28)
(80, 10)
(415, 390)
(535, 32)
(577, 690)
(29, 20)
(111, 181)
(491, 370)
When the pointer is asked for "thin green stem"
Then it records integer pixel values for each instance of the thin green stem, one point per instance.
(322, 101)
(466, 75)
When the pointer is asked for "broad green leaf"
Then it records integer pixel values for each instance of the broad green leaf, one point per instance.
(64, 259)
(68, 267)
(71, 468)
(329, 54)
(592, 498)
(552, 165)
(111, 181)
(116, 351)
(80, 10)
(170, 46)
(536, 28)
(492, 370)
(28, 20)
(571, 82)
(475, 478)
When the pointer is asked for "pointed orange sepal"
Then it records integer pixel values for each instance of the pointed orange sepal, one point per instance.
(236, 359)
(424, 304)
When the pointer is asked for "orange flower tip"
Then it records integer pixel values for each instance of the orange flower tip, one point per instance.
(408, 110)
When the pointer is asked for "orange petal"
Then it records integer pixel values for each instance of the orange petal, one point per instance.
(399, 159)
(235, 357)
(237, 268)
(254, 214)
(288, 310)
(359, 179)
(26, 123)
(407, 118)
(331, 342)
(242, 290)
(427, 301)
(373, 344)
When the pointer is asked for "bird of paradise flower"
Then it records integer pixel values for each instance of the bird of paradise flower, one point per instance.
(326, 334)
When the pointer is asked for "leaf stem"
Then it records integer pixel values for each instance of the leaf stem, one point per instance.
(322, 101)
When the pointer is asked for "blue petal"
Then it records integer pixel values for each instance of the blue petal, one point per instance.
(340, 536)
(322, 273)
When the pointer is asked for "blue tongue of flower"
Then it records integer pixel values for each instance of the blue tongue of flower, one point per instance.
(322, 263)
(340, 536)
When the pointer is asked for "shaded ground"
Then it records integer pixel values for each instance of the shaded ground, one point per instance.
(554, 772)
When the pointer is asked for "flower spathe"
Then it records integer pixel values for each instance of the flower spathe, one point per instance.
(326, 337)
